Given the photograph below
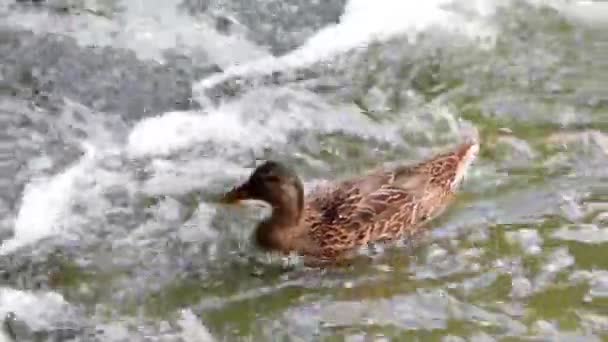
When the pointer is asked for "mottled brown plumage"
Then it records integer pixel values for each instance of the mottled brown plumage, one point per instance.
(384, 205)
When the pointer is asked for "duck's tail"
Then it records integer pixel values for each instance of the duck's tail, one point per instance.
(465, 154)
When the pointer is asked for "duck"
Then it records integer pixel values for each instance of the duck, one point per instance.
(331, 222)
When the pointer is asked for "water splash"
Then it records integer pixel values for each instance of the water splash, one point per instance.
(192, 330)
(141, 30)
(45, 204)
(39, 310)
(263, 117)
(364, 22)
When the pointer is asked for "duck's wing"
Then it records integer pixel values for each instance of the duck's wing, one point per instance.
(415, 193)
(406, 186)
(385, 203)
(364, 198)
(337, 201)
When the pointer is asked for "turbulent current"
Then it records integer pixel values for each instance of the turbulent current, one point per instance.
(123, 120)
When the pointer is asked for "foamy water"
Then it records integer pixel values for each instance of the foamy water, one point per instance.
(40, 310)
(258, 119)
(45, 205)
(144, 31)
(253, 122)
(364, 22)
(249, 124)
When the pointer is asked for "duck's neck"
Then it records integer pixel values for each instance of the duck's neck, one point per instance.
(281, 230)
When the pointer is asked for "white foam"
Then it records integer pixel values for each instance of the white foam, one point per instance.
(263, 117)
(140, 27)
(528, 239)
(170, 177)
(192, 329)
(584, 233)
(172, 131)
(44, 206)
(597, 279)
(4, 337)
(364, 21)
(593, 12)
(260, 118)
(39, 310)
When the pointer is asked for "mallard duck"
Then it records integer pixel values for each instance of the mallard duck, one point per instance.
(383, 205)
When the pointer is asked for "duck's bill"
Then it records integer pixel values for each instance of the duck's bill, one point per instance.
(236, 195)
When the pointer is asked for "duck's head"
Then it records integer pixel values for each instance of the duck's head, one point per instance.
(271, 182)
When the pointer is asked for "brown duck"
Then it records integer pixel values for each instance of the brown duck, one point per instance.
(330, 222)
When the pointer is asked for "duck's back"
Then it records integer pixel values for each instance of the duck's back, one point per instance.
(385, 204)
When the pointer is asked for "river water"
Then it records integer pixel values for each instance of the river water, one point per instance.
(123, 120)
